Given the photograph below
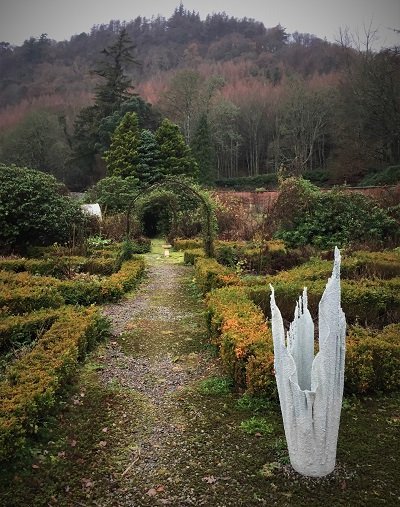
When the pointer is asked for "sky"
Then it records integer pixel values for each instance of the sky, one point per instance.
(60, 19)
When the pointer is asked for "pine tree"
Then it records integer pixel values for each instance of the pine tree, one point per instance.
(123, 156)
(203, 151)
(148, 168)
(116, 88)
(110, 94)
(175, 155)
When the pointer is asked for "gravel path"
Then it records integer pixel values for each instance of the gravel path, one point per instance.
(158, 353)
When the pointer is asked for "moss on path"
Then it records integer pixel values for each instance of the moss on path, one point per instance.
(152, 421)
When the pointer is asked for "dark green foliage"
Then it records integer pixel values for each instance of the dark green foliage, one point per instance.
(32, 209)
(148, 118)
(148, 169)
(388, 176)
(115, 90)
(249, 182)
(176, 158)
(114, 194)
(306, 216)
(339, 218)
(122, 157)
(203, 151)
(110, 95)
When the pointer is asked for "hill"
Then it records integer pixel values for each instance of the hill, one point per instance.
(268, 98)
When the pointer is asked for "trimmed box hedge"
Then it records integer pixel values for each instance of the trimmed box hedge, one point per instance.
(189, 256)
(237, 326)
(370, 302)
(210, 274)
(31, 384)
(22, 329)
(24, 292)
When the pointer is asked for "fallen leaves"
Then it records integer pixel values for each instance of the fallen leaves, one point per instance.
(154, 491)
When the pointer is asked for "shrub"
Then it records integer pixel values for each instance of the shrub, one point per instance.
(306, 216)
(237, 326)
(388, 176)
(187, 244)
(249, 182)
(189, 256)
(368, 301)
(210, 274)
(337, 218)
(373, 360)
(19, 299)
(32, 209)
(22, 329)
(24, 292)
(32, 383)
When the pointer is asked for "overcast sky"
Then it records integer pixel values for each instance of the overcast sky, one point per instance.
(60, 19)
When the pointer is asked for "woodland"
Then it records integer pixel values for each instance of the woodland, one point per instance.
(250, 101)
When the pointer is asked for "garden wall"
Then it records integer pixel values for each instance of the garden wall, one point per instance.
(388, 195)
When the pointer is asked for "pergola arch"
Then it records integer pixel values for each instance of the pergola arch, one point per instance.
(208, 212)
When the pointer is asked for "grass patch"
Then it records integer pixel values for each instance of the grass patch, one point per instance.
(215, 386)
(256, 425)
(252, 403)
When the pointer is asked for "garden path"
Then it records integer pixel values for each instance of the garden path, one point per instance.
(151, 421)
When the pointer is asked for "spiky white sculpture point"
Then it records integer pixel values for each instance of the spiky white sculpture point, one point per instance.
(311, 389)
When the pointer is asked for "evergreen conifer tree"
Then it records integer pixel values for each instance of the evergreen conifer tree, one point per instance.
(110, 94)
(122, 157)
(148, 168)
(176, 157)
(203, 151)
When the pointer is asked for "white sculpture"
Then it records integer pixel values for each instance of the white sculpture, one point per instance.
(92, 209)
(311, 389)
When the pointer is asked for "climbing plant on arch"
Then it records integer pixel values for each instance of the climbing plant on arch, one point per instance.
(209, 222)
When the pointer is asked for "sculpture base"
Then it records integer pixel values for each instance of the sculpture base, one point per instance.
(315, 469)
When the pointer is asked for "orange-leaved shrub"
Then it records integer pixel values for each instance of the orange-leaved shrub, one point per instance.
(237, 326)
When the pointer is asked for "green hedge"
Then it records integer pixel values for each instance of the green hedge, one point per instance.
(189, 256)
(24, 292)
(370, 302)
(21, 329)
(187, 244)
(210, 274)
(32, 383)
(373, 360)
(237, 326)
(60, 266)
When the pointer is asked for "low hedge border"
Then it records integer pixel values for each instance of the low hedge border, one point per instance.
(32, 383)
(22, 329)
(210, 274)
(373, 360)
(189, 256)
(24, 292)
(370, 302)
(61, 266)
(237, 326)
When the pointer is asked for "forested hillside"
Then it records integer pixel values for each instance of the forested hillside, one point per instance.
(249, 99)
